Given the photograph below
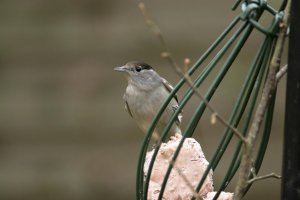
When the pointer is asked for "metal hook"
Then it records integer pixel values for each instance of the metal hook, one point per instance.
(248, 9)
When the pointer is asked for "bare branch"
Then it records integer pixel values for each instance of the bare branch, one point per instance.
(209, 106)
(258, 178)
(281, 73)
(268, 91)
(167, 54)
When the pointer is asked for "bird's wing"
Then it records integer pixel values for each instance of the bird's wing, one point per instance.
(169, 87)
(127, 108)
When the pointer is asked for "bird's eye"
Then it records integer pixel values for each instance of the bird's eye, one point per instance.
(138, 68)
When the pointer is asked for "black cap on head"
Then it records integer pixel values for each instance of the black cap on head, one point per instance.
(141, 64)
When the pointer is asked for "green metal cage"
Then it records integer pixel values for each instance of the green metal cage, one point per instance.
(223, 52)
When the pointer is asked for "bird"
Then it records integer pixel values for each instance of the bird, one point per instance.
(144, 95)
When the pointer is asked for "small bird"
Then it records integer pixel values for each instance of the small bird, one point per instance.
(145, 93)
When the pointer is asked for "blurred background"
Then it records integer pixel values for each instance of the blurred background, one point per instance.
(64, 133)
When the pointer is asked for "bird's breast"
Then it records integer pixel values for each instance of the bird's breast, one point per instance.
(144, 103)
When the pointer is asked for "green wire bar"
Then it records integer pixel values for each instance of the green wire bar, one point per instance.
(238, 33)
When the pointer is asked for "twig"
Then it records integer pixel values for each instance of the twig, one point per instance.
(208, 105)
(281, 73)
(268, 90)
(167, 54)
(258, 178)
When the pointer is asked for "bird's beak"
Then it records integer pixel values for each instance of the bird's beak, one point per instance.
(120, 69)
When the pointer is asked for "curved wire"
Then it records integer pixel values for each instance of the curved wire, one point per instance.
(253, 82)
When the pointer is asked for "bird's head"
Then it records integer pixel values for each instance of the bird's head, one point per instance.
(140, 74)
